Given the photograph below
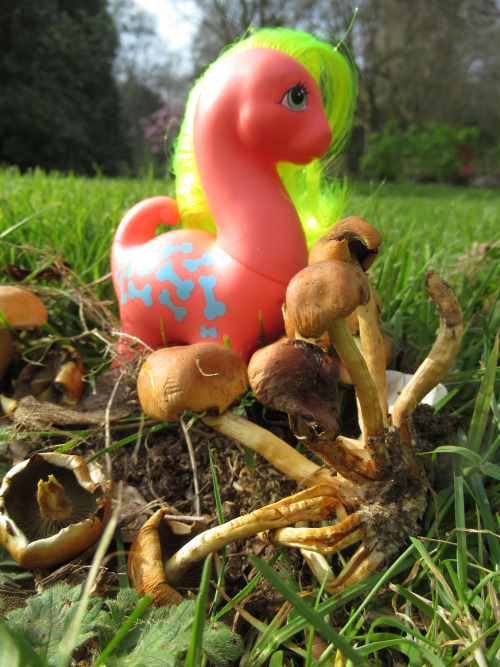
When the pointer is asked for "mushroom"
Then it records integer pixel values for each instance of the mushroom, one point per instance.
(51, 509)
(19, 309)
(146, 557)
(203, 378)
(437, 363)
(348, 238)
(298, 378)
(206, 378)
(318, 299)
(319, 503)
(56, 377)
(355, 241)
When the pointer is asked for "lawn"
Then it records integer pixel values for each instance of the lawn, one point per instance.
(436, 603)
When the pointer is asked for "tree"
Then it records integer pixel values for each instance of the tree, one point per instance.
(151, 92)
(59, 106)
(419, 61)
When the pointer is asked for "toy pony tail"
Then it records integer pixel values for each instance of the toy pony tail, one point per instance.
(317, 196)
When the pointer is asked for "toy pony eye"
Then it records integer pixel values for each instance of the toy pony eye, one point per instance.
(295, 99)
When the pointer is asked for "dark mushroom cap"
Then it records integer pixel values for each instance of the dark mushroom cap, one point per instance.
(323, 292)
(298, 378)
(35, 540)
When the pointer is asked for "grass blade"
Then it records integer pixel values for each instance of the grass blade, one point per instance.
(482, 406)
(307, 612)
(195, 652)
(461, 535)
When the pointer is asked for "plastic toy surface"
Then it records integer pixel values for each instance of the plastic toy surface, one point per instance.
(255, 109)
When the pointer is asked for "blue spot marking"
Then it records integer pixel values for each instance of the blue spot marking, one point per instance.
(192, 264)
(212, 332)
(179, 312)
(122, 291)
(213, 308)
(144, 293)
(129, 271)
(168, 248)
(183, 287)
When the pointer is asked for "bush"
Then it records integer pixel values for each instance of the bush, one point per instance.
(431, 153)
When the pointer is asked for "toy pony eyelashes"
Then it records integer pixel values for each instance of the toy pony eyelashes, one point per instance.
(262, 126)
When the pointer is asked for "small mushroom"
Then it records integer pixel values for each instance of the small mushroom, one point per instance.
(51, 509)
(318, 299)
(203, 378)
(438, 362)
(350, 238)
(56, 377)
(146, 557)
(19, 309)
(298, 378)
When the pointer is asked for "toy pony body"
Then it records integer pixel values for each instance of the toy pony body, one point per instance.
(258, 108)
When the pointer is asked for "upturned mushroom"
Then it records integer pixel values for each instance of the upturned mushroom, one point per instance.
(51, 509)
(19, 309)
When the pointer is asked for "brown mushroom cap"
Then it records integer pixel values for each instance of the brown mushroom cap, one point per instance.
(21, 308)
(34, 539)
(323, 292)
(352, 237)
(298, 378)
(202, 378)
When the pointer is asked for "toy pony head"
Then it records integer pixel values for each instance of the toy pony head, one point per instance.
(310, 187)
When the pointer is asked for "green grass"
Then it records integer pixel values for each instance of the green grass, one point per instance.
(438, 603)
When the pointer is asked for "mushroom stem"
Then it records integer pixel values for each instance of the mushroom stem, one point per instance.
(365, 561)
(438, 362)
(325, 540)
(366, 392)
(277, 451)
(372, 346)
(316, 504)
(52, 499)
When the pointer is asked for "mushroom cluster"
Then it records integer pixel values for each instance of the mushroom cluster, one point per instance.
(377, 492)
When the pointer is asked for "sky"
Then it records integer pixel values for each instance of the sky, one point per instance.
(175, 20)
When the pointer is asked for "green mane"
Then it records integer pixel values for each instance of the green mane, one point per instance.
(313, 189)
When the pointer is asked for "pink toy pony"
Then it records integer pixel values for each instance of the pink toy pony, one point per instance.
(247, 161)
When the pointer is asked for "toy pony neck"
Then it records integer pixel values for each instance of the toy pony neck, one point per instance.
(257, 224)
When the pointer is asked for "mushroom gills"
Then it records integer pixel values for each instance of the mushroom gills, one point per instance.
(24, 507)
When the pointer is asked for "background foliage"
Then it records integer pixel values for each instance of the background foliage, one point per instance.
(59, 104)
(84, 83)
